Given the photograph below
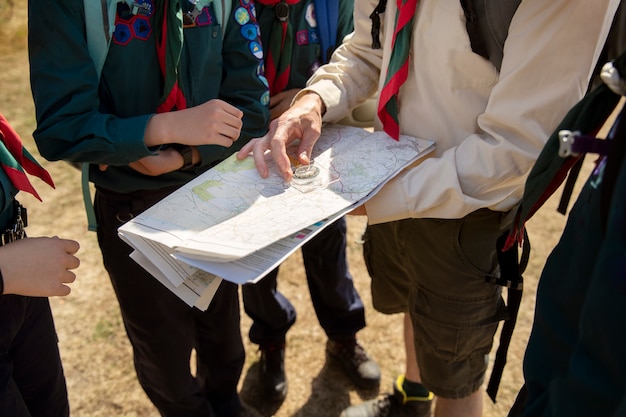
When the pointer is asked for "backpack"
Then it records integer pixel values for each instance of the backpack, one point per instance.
(566, 147)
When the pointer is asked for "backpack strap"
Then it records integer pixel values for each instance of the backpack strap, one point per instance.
(511, 269)
(99, 27)
(327, 16)
(487, 23)
(223, 9)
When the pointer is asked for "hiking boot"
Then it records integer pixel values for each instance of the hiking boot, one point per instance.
(392, 405)
(356, 363)
(272, 371)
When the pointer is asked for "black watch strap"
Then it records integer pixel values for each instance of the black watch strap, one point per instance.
(187, 155)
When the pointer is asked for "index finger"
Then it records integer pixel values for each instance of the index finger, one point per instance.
(278, 137)
(257, 147)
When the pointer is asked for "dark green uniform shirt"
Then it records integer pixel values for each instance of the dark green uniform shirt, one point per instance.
(307, 55)
(80, 119)
(7, 195)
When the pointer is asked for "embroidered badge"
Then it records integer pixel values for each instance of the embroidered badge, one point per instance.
(302, 37)
(141, 29)
(133, 22)
(265, 98)
(205, 18)
(264, 80)
(122, 34)
(255, 48)
(249, 31)
(245, 16)
(242, 15)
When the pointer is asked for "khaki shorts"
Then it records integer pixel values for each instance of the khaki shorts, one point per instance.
(435, 269)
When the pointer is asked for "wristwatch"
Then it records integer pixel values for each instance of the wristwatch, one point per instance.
(187, 155)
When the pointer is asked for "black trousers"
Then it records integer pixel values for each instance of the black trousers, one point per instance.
(163, 330)
(32, 383)
(337, 303)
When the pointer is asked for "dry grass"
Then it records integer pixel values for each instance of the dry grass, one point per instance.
(96, 353)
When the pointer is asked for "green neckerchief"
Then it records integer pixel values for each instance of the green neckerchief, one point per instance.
(169, 33)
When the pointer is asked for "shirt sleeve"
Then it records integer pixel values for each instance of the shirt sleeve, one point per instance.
(64, 85)
(488, 127)
(243, 85)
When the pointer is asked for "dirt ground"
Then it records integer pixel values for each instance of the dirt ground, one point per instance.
(96, 354)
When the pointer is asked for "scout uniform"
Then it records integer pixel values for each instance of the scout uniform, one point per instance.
(31, 374)
(83, 119)
(293, 54)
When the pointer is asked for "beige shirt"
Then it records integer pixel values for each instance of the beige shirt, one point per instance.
(489, 127)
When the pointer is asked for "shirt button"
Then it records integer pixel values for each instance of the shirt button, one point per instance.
(214, 34)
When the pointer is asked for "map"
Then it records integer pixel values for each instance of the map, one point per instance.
(231, 224)
(230, 211)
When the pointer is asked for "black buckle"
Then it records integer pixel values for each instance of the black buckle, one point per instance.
(505, 283)
(16, 232)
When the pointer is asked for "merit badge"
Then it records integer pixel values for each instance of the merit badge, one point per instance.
(265, 98)
(256, 49)
(302, 37)
(249, 31)
(242, 16)
(123, 34)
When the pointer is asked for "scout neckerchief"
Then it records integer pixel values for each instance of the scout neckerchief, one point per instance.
(169, 19)
(278, 61)
(398, 68)
(15, 159)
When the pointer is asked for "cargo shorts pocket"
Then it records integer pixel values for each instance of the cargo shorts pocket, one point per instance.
(455, 329)
(389, 278)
